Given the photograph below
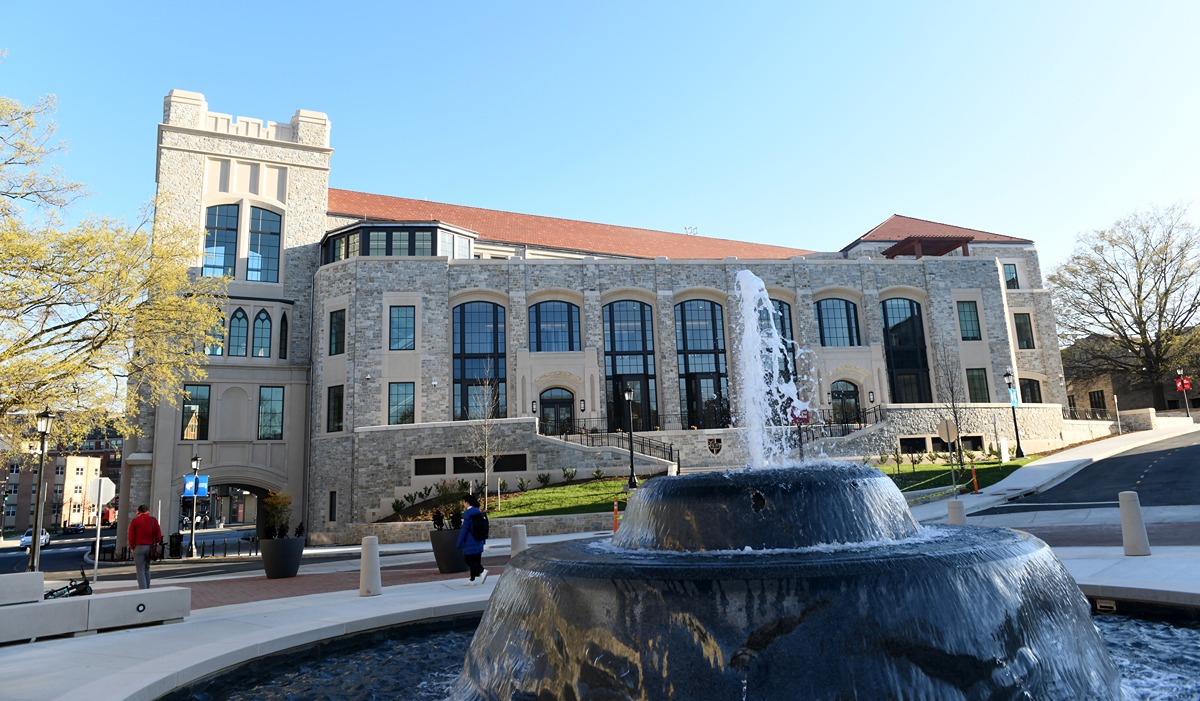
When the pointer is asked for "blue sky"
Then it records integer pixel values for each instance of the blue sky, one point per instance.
(791, 123)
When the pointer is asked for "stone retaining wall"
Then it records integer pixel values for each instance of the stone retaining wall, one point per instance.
(418, 531)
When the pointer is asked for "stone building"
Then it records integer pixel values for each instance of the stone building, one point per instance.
(371, 340)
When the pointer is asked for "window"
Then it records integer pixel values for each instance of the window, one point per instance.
(1031, 392)
(238, 331)
(195, 413)
(1096, 400)
(337, 332)
(1024, 331)
(262, 335)
(333, 505)
(402, 328)
(58, 470)
(79, 471)
(977, 386)
(270, 413)
(333, 409)
(904, 351)
(283, 337)
(377, 242)
(968, 321)
(79, 489)
(400, 403)
(429, 466)
(629, 364)
(220, 240)
(703, 375)
(553, 327)
(263, 263)
(837, 320)
(480, 364)
(1010, 276)
(216, 346)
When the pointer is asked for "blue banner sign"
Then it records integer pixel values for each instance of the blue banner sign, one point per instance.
(189, 486)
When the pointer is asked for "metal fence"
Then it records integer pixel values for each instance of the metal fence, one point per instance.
(641, 444)
(1078, 413)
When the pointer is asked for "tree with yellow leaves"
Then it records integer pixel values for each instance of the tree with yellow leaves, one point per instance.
(95, 315)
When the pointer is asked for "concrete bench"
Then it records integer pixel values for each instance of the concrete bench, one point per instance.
(89, 614)
(21, 588)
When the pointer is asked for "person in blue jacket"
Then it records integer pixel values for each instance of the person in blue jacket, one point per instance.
(472, 549)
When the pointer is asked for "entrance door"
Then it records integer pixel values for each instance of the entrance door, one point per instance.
(557, 413)
(845, 403)
(707, 406)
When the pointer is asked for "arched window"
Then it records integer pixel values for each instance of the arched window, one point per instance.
(216, 347)
(904, 351)
(262, 335)
(263, 262)
(480, 364)
(629, 364)
(703, 375)
(553, 327)
(837, 320)
(283, 337)
(238, 329)
(220, 240)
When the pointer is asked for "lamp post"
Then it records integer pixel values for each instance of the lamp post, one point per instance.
(195, 492)
(632, 476)
(1183, 383)
(45, 421)
(1008, 380)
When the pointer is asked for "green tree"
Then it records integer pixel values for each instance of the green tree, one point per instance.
(94, 313)
(1128, 298)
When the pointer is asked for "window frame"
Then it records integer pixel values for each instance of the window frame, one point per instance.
(397, 403)
(847, 315)
(265, 244)
(978, 390)
(262, 332)
(397, 328)
(202, 411)
(543, 331)
(1023, 330)
(337, 332)
(335, 415)
(1012, 279)
(238, 340)
(217, 233)
(968, 315)
(267, 402)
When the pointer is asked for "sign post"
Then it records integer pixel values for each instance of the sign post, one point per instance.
(105, 490)
(948, 432)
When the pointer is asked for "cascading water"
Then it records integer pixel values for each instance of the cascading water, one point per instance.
(809, 582)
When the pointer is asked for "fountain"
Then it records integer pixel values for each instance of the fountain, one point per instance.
(785, 582)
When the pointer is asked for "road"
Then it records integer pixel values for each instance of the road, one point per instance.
(65, 552)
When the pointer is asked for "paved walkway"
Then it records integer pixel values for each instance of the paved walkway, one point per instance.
(239, 617)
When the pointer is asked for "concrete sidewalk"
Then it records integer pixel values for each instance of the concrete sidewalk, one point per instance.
(239, 617)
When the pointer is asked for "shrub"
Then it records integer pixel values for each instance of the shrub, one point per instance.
(598, 473)
(397, 506)
(276, 512)
(543, 479)
(569, 473)
(501, 486)
(522, 485)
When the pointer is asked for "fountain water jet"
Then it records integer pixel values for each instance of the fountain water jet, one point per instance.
(806, 582)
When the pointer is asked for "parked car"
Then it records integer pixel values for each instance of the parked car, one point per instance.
(27, 539)
(74, 529)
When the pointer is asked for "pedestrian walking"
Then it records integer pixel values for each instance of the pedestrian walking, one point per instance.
(144, 537)
(471, 539)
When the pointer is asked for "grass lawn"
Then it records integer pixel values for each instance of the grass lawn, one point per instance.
(925, 476)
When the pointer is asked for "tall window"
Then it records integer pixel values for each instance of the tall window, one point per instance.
(1024, 331)
(283, 337)
(400, 403)
(629, 364)
(270, 413)
(1031, 391)
(238, 330)
(262, 335)
(553, 327)
(263, 264)
(977, 386)
(1010, 276)
(337, 332)
(703, 376)
(195, 413)
(480, 365)
(402, 328)
(220, 240)
(333, 409)
(904, 351)
(1096, 400)
(968, 320)
(837, 320)
(217, 345)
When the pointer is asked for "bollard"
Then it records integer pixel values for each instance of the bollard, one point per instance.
(1133, 528)
(614, 514)
(369, 582)
(518, 540)
(955, 513)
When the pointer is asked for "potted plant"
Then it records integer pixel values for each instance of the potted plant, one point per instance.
(280, 553)
(444, 536)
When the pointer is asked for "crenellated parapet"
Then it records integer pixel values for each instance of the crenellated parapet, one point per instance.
(183, 108)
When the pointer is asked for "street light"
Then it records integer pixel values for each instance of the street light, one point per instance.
(632, 476)
(195, 493)
(1008, 380)
(45, 421)
(1183, 388)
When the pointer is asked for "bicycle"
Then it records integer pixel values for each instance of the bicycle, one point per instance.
(72, 588)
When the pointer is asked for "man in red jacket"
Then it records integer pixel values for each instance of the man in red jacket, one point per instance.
(144, 537)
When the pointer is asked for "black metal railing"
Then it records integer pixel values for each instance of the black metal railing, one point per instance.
(1078, 413)
(641, 444)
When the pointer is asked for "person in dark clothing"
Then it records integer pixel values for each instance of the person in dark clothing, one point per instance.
(472, 549)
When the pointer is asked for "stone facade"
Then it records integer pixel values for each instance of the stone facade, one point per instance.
(342, 475)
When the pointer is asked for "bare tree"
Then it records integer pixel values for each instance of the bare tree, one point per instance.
(952, 392)
(1128, 299)
(483, 433)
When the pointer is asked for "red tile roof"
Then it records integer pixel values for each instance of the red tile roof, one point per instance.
(550, 232)
(898, 228)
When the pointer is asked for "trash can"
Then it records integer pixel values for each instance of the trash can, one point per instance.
(177, 545)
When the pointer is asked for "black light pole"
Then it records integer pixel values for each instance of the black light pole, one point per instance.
(1008, 380)
(632, 476)
(195, 494)
(45, 421)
